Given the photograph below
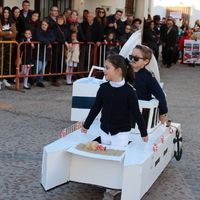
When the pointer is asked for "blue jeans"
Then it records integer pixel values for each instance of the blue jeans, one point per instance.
(40, 65)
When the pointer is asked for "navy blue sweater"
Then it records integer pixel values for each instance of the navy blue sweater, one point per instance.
(146, 85)
(116, 104)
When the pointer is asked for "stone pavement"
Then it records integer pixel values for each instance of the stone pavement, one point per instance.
(31, 120)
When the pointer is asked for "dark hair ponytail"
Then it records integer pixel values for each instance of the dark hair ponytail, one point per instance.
(130, 75)
(119, 61)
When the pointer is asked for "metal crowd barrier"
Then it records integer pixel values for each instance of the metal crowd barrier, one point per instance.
(102, 52)
(7, 57)
(90, 54)
(87, 53)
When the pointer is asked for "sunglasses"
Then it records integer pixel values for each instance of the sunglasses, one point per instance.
(101, 12)
(136, 58)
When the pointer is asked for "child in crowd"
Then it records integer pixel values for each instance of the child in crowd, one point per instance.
(127, 34)
(117, 101)
(145, 82)
(73, 58)
(110, 41)
(26, 56)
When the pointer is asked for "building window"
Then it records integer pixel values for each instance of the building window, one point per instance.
(130, 7)
(45, 5)
(184, 10)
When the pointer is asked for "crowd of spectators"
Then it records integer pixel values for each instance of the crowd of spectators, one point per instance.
(170, 34)
(58, 27)
(95, 27)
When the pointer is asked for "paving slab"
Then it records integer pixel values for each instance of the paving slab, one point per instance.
(32, 119)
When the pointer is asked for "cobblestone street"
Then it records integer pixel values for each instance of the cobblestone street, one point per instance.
(31, 120)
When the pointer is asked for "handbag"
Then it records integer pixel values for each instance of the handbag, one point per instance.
(65, 48)
(65, 51)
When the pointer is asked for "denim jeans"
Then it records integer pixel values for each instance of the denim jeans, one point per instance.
(40, 65)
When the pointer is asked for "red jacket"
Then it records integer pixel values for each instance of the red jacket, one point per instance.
(181, 42)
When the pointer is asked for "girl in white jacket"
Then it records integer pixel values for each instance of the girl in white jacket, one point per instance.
(72, 58)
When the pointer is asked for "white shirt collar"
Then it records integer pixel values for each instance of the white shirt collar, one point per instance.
(117, 84)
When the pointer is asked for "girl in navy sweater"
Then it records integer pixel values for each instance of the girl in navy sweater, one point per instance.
(117, 101)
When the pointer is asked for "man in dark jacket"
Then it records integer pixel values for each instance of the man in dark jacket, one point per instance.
(53, 13)
(93, 33)
(115, 25)
(25, 13)
(169, 39)
(92, 30)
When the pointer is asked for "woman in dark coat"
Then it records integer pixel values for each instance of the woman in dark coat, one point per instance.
(18, 22)
(75, 26)
(102, 18)
(46, 36)
(62, 36)
(150, 38)
(34, 22)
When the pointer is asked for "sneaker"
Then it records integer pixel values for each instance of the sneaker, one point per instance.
(110, 194)
(40, 84)
(5, 82)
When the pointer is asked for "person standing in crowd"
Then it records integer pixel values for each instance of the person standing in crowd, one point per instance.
(169, 39)
(197, 25)
(34, 22)
(97, 10)
(179, 23)
(67, 13)
(129, 20)
(157, 25)
(18, 22)
(92, 32)
(114, 24)
(8, 32)
(111, 41)
(127, 34)
(163, 21)
(185, 24)
(62, 36)
(46, 36)
(53, 13)
(145, 82)
(75, 26)
(183, 37)
(25, 13)
(150, 38)
(85, 13)
(73, 58)
(101, 18)
(1, 9)
(164, 25)
(27, 56)
(136, 24)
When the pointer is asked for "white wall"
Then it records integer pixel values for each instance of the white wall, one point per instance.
(18, 3)
(159, 8)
